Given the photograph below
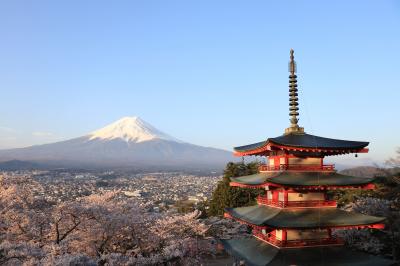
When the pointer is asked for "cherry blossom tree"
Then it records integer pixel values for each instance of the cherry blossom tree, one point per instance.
(105, 229)
(19, 253)
(365, 239)
(24, 215)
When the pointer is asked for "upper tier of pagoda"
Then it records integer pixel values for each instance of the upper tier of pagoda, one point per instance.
(302, 144)
(295, 140)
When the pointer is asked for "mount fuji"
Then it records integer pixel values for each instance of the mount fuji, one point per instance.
(129, 143)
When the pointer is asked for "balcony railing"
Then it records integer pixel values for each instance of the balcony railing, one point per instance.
(298, 167)
(263, 200)
(298, 242)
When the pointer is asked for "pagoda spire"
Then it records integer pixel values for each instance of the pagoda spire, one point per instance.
(293, 99)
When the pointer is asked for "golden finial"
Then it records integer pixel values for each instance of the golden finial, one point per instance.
(293, 100)
(292, 63)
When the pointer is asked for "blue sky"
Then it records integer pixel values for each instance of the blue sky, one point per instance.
(212, 73)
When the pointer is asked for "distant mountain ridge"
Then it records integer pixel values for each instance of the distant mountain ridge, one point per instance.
(369, 171)
(18, 165)
(127, 143)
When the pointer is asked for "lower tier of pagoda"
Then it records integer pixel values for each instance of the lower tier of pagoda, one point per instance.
(255, 252)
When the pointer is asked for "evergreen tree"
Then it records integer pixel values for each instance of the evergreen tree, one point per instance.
(225, 196)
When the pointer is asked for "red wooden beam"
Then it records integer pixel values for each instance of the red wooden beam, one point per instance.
(307, 188)
(374, 226)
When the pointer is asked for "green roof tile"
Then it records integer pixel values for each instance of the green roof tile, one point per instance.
(301, 217)
(258, 253)
(302, 179)
(306, 141)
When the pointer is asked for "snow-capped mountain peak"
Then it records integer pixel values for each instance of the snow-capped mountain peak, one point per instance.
(130, 129)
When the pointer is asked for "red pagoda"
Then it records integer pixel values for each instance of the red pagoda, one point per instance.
(293, 220)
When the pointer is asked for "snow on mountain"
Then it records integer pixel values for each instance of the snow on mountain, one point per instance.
(130, 129)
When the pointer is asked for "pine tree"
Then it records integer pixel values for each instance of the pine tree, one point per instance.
(225, 196)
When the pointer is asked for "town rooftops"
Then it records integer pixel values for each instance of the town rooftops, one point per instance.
(301, 218)
(255, 252)
(302, 143)
(301, 179)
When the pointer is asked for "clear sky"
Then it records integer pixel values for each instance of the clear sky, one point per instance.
(212, 73)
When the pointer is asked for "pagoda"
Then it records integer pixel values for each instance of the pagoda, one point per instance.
(293, 220)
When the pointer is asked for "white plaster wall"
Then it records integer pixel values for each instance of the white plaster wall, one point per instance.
(269, 195)
(305, 196)
(278, 234)
(281, 196)
(271, 162)
(307, 234)
(310, 161)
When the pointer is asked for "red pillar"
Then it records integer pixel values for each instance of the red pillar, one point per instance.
(275, 196)
(284, 236)
(286, 197)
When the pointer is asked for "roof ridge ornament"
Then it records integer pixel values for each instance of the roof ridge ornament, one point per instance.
(293, 99)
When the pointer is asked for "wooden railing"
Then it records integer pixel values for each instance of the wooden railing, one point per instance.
(298, 167)
(263, 200)
(298, 242)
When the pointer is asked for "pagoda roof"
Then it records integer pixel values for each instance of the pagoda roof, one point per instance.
(302, 142)
(288, 178)
(301, 218)
(258, 253)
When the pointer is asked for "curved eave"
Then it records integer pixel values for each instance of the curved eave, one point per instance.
(305, 188)
(258, 253)
(252, 149)
(302, 180)
(302, 218)
(252, 180)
